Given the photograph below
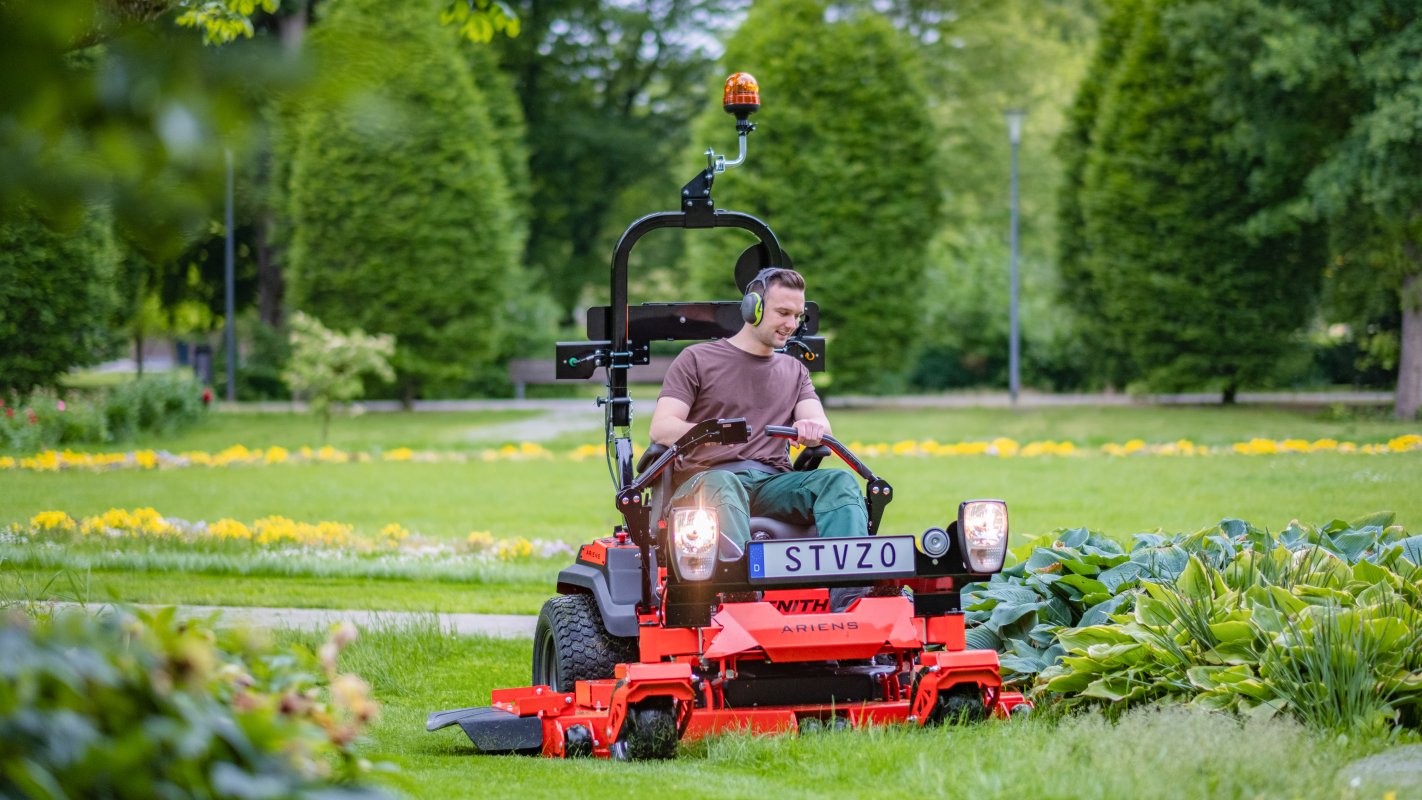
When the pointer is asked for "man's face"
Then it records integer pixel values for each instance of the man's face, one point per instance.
(783, 309)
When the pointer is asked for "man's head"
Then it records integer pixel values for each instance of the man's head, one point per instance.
(774, 305)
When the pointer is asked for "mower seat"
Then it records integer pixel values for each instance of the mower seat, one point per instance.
(762, 528)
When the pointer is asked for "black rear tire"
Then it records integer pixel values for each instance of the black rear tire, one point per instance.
(571, 644)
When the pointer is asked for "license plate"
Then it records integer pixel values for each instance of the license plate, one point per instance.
(809, 560)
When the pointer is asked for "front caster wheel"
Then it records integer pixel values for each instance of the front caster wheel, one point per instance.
(649, 732)
(959, 705)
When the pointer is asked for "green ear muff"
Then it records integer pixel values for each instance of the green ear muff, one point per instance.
(752, 308)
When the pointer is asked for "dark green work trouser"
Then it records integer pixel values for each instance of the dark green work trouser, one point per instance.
(829, 498)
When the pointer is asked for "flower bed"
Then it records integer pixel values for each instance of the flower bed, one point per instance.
(145, 527)
(240, 455)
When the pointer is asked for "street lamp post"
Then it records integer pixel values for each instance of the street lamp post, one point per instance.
(1015, 117)
(230, 293)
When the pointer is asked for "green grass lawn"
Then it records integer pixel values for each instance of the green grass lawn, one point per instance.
(416, 669)
(104, 586)
(571, 501)
(1157, 754)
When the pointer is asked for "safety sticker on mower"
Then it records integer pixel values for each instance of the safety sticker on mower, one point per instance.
(791, 560)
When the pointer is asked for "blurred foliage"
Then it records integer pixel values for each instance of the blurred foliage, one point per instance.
(138, 121)
(845, 172)
(607, 90)
(221, 21)
(136, 704)
(399, 209)
(1162, 248)
(57, 295)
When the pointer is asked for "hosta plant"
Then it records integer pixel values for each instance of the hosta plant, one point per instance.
(1321, 623)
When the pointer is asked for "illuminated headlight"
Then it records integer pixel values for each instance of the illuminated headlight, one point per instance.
(982, 534)
(694, 534)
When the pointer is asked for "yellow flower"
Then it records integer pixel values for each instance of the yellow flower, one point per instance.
(586, 451)
(52, 521)
(510, 549)
(1003, 447)
(399, 454)
(1402, 444)
(276, 455)
(146, 459)
(533, 450)
(7, 462)
(230, 529)
(394, 534)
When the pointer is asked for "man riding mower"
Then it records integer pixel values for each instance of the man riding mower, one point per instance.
(741, 592)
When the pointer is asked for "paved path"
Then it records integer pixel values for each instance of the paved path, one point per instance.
(504, 626)
(585, 408)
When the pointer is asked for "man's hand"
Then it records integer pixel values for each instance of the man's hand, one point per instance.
(811, 431)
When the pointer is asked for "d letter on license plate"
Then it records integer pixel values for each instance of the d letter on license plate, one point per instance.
(809, 560)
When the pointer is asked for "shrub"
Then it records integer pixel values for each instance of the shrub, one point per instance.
(46, 419)
(140, 705)
(162, 403)
(326, 367)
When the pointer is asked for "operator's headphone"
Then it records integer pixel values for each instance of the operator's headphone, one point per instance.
(753, 304)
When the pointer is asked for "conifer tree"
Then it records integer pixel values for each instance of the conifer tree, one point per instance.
(400, 210)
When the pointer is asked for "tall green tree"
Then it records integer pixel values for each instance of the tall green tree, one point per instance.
(844, 168)
(608, 90)
(1185, 296)
(399, 208)
(1325, 96)
(57, 298)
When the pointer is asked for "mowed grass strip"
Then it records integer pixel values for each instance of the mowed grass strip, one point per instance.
(572, 501)
(1169, 754)
(160, 588)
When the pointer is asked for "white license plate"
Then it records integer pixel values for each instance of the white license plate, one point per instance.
(806, 560)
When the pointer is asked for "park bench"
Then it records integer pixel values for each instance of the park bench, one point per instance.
(525, 371)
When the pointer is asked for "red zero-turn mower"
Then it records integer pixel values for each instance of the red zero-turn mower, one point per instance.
(653, 638)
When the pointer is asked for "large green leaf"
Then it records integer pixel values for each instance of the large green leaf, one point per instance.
(1118, 688)
(1120, 575)
(1100, 613)
(1074, 538)
(1380, 519)
(1085, 585)
(1153, 612)
(1232, 630)
(1079, 639)
(1412, 549)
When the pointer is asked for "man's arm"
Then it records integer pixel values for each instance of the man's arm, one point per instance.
(669, 421)
(810, 422)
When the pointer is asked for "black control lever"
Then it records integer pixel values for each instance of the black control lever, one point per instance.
(878, 492)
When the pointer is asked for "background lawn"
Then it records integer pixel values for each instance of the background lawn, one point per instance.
(570, 501)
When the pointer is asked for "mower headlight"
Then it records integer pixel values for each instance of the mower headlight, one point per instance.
(694, 533)
(982, 534)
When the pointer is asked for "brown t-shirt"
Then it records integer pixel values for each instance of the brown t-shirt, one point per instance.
(718, 381)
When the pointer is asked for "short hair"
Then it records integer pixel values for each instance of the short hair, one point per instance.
(777, 276)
